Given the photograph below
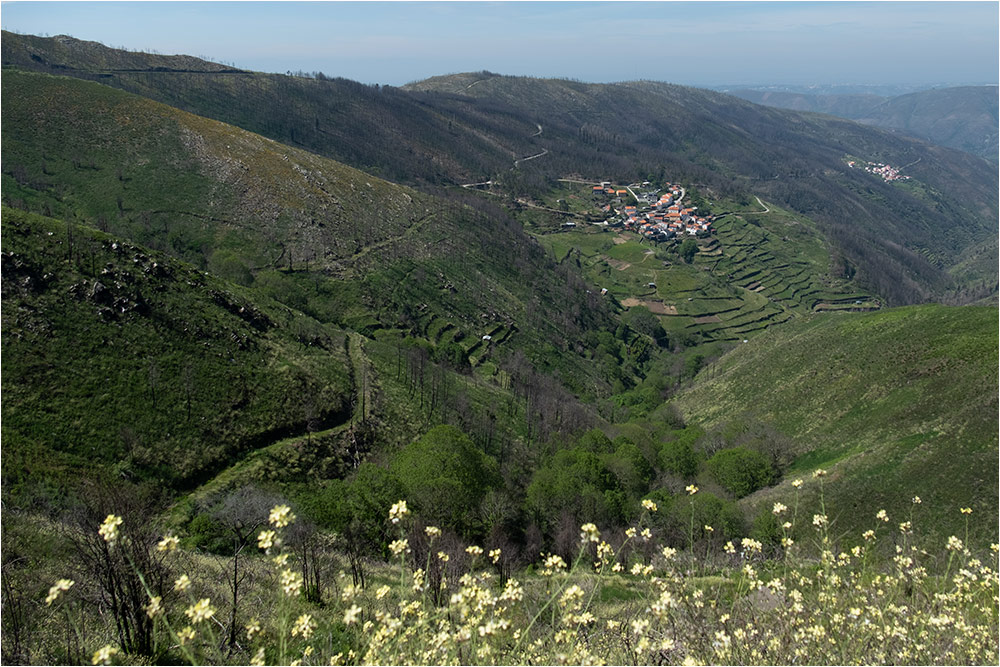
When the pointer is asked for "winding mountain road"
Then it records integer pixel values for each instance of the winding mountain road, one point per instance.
(532, 157)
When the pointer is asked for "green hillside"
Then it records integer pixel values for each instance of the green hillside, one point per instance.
(473, 127)
(336, 243)
(234, 340)
(760, 266)
(893, 404)
(126, 364)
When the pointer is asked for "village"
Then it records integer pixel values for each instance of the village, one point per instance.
(657, 214)
(887, 172)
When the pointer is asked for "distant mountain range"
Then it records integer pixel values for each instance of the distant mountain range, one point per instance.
(963, 117)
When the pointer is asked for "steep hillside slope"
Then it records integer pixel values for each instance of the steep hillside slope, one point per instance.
(339, 244)
(473, 127)
(127, 364)
(890, 231)
(63, 53)
(893, 404)
(384, 131)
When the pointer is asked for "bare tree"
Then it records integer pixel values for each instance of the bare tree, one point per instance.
(128, 569)
(242, 512)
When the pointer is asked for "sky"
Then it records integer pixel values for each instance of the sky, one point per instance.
(693, 43)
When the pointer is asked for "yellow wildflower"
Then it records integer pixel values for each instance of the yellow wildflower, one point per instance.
(291, 582)
(154, 608)
(691, 489)
(398, 511)
(109, 529)
(182, 583)
(304, 626)
(60, 586)
(281, 516)
(200, 611)
(103, 655)
(168, 543)
(266, 539)
(351, 615)
(649, 505)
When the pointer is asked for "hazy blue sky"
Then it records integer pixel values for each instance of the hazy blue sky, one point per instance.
(698, 43)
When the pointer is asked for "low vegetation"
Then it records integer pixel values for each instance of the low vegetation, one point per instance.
(623, 598)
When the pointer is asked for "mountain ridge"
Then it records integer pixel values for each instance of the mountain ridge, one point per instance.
(618, 130)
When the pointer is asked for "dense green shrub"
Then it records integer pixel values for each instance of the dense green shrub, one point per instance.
(446, 477)
(741, 471)
(724, 516)
(575, 482)
(678, 456)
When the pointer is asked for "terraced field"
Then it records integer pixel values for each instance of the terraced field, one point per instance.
(760, 268)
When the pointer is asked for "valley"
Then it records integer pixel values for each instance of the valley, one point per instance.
(492, 369)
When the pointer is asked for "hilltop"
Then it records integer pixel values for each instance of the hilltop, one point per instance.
(63, 54)
(904, 242)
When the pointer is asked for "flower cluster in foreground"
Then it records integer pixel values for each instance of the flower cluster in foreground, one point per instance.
(837, 602)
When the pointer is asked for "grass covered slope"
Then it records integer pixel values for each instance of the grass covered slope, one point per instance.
(124, 362)
(894, 404)
(181, 182)
(321, 237)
